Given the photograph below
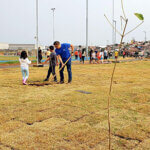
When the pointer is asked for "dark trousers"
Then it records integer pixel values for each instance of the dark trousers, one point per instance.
(80, 59)
(40, 58)
(105, 57)
(76, 57)
(90, 59)
(69, 71)
(52, 70)
(83, 58)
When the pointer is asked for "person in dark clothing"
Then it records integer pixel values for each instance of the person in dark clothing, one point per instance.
(83, 54)
(52, 64)
(91, 51)
(136, 54)
(105, 54)
(96, 51)
(39, 55)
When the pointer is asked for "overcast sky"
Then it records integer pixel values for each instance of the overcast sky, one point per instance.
(17, 20)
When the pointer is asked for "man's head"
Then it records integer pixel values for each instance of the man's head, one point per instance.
(51, 48)
(57, 44)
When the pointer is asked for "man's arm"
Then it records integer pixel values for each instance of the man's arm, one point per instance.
(72, 49)
(46, 61)
(59, 58)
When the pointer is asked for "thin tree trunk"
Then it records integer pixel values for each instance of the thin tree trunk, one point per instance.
(110, 90)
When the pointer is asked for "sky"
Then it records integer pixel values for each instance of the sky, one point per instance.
(18, 21)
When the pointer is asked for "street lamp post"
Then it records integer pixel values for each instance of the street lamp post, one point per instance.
(113, 30)
(115, 24)
(87, 28)
(145, 35)
(53, 9)
(37, 30)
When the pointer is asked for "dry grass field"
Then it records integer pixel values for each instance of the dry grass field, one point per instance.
(58, 117)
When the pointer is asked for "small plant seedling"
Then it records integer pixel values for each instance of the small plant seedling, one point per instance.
(122, 35)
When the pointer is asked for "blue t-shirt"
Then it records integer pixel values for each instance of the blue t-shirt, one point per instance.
(64, 52)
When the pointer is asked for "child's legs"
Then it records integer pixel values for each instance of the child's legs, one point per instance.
(27, 74)
(23, 73)
(101, 59)
(80, 59)
(76, 56)
(49, 72)
(54, 73)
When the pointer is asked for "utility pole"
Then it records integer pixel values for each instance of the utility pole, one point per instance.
(87, 28)
(37, 30)
(115, 34)
(107, 42)
(53, 9)
(113, 12)
(145, 35)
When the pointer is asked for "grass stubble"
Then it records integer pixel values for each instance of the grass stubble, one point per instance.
(57, 117)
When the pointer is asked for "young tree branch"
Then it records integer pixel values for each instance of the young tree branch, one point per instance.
(123, 10)
(111, 83)
(134, 28)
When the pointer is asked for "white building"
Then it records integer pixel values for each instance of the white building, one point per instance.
(21, 47)
(28, 47)
(4, 46)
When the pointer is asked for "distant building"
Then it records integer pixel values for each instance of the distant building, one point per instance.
(28, 47)
(4, 46)
(15, 49)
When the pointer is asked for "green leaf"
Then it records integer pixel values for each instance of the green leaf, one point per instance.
(139, 16)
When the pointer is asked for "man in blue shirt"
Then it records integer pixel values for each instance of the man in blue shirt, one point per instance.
(63, 55)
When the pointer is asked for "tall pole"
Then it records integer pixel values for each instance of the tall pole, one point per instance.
(37, 30)
(107, 42)
(115, 24)
(145, 35)
(87, 28)
(113, 31)
(53, 9)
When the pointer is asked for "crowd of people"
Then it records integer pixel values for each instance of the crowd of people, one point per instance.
(94, 55)
(101, 55)
(97, 55)
(59, 54)
(136, 54)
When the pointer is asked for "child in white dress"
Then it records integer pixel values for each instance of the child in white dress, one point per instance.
(24, 64)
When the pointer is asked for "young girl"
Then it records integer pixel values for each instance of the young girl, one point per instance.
(24, 63)
(102, 56)
(99, 56)
(80, 55)
(93, 57)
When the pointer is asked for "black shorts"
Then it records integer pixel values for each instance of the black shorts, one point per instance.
(105, 57)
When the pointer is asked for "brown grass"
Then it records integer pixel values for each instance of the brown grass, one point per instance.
(57, 117)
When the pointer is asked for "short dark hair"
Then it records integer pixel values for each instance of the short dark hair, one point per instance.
(51, 47)
(56, 43)
(23, 55)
